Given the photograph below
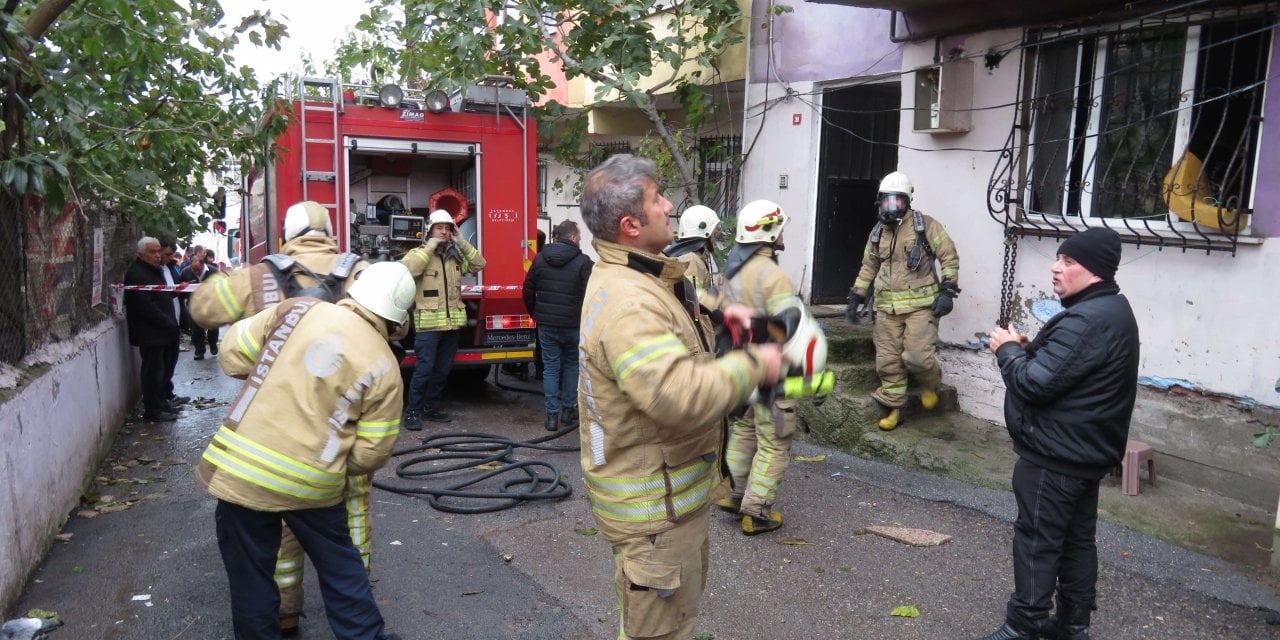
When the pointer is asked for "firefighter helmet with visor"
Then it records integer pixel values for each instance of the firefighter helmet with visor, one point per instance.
(387, 289)
(894, 198)
(761, 221)
(698, 221)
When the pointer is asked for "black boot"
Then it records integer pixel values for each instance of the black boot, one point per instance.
(1009, 632)
(569, 417)
(553, 422)
(1069, 622)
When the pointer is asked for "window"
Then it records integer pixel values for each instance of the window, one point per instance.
(601, 151)
(1155, 124)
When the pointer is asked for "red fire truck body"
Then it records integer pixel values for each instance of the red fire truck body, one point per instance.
(382, 168)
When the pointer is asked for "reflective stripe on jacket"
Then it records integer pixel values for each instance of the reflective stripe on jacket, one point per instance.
(761, 284)
(226, 298)
(439, 301)
(897, 288)
(328, 406)
(652, 395)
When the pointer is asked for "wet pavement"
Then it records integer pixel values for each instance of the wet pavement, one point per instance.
(146, 565)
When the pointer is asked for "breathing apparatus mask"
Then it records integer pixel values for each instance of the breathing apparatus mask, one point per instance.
(891, 207)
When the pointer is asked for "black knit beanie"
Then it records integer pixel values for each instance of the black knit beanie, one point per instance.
(1097, 249)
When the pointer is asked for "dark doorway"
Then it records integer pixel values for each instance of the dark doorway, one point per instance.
(859, 147)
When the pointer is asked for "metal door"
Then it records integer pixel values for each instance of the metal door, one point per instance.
(859, 147)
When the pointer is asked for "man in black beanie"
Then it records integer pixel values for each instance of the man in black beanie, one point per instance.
(1069, 396)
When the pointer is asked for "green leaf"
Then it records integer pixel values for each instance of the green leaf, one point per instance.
(1263, 440)
(585, 532)
(906, 611)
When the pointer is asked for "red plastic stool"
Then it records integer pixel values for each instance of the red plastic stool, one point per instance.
(1135, 453)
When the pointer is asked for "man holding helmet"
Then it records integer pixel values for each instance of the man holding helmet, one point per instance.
(438, 266)
(909, 295)
(759, 445)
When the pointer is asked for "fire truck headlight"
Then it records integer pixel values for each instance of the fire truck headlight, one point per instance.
(437, 101)
(390, 96)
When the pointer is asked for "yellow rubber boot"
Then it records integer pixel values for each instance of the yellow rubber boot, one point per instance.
(928, 399)
(731, 504)
(752, 525)
(889, 422)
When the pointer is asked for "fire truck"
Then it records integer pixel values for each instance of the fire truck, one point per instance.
(381, 159)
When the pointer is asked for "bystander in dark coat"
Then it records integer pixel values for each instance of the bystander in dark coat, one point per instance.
(553, 293)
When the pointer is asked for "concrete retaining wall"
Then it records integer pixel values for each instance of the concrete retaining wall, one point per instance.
(55, 430)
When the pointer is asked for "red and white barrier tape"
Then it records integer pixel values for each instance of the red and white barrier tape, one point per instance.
(183, 286)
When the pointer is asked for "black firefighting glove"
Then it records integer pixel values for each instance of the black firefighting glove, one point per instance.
(851, 311)
(943, 304)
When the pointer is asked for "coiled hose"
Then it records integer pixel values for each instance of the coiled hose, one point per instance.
(538, 480)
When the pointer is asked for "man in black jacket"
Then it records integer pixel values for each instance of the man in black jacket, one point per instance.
(553, 293)
(1069, 396)
(153, 328)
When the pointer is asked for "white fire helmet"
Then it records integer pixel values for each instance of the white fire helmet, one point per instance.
(805, 347)
(697, 221)
(760, 221)
(894, 198)
(387, 289)
(306, 217)
(440, 216)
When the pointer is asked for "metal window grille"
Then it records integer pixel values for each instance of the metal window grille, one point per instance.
(1149, 126)
(720, 170)
(602, 151)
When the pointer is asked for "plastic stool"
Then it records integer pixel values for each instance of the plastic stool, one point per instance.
(1135, 453)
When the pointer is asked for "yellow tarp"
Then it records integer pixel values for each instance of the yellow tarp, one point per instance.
(1186, 192)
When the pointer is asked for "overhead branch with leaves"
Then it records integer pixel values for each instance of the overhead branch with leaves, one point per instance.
(130, 102)
(631, 51)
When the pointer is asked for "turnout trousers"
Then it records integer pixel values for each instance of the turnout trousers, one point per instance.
(249, 541)
(758, 452)
(906, 343)
(1054, 545)
(290, 562)
(659, 579)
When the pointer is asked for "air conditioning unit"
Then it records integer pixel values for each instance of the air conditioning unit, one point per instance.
(944, 97)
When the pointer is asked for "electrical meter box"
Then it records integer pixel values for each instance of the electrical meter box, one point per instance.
(407, 228)
(944, 97)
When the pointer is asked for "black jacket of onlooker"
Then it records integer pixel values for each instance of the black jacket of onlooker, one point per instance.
(556, 284)
(1070, 393)
(152, 321)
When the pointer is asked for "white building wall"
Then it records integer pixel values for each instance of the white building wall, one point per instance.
(55, 429)
(780, 146)
(1203, 318)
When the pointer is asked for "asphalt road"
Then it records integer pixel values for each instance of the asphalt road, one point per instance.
(152, 571)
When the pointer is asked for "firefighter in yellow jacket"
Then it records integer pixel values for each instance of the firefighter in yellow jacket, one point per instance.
(909, 295)
(695, 241)
(308, 259)
(309, 264)
(759, 446)
(320, 403)
(438, 266)
(652, 400)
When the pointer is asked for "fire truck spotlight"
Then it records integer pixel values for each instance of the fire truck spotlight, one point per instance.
(437, 101)
(390, 96)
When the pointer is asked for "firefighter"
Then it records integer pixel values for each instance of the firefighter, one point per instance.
(307, 260)
(759, 445)
(652, 401)
(309, 264)
(909, 296)
(320, 404)
(695, 242)
(438, 266)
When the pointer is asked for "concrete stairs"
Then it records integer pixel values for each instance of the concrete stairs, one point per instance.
(946, 442)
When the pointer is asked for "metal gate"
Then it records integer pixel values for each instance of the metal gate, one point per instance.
(859, 146)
